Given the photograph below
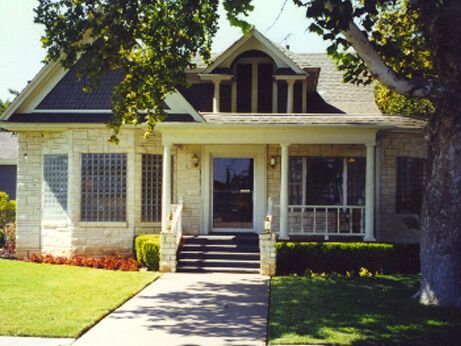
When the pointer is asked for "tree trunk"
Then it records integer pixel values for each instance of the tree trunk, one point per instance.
(441, 216)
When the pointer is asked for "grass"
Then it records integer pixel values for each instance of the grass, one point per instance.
(61, 301)
(357, 311)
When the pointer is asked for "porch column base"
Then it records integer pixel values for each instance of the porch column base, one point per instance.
(167, 252)
(369, 238)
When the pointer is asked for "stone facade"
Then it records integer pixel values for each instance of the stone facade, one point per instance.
(392, 145)
(69, 235)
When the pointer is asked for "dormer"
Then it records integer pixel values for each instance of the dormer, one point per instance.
(255, 76)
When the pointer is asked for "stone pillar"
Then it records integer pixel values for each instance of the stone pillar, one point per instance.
(167, 252)
(166, 186)
(370, 193)
(284, 192)
(268, 256)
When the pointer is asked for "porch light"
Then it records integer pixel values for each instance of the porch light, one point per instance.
(272, 162)
(195, 160)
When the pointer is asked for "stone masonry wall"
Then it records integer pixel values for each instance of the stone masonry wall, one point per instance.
(29, 185)
(394, 144)
(73, 236)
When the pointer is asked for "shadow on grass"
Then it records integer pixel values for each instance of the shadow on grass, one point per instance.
(357, 311)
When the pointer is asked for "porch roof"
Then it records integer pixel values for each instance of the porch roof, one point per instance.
(303, 120)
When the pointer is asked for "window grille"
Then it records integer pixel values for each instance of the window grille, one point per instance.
(151, 188)
(55, 177)
(103, 187)
(410, 182)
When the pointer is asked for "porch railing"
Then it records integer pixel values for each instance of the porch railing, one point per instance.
(326, 220)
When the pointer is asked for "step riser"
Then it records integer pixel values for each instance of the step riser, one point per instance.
(217, 270)
(219, 248)
(220, 264)
(228, 256)
(219, 253)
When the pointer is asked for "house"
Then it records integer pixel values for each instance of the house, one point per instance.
(259, 124)
(8, 158)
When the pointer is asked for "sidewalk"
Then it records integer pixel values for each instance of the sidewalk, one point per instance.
(189, 310)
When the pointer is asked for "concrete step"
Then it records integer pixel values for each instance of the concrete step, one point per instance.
(225, 263)
(225, 255)
(194, 269)
(220, 247)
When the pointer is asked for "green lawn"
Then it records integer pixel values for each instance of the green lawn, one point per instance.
(61, 301)
(357, 311)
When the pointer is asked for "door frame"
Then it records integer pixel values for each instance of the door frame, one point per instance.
(259, 154)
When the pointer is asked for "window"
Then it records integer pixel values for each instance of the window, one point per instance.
(410, 182)
(55, 168)
(326, 181)
(151, 188)
(103, 187)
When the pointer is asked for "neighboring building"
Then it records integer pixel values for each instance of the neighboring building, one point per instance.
(8, 160)
(259, 123)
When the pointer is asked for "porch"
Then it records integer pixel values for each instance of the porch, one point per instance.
(346, 212)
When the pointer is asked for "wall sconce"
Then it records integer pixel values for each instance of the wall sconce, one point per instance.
(25, 156)
(272, 162)
(195, 160)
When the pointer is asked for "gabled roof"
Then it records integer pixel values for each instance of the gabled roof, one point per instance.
(59, 91)
(267, 45)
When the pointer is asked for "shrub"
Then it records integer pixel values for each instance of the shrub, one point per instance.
(147, 250)
(345, 258)
(7, 217)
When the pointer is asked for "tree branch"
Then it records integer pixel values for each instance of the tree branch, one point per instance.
(378, 68)
(418, 88)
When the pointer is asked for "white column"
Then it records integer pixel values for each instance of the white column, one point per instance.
(274, 97)
(234, 96)
(290, 88)
(304, 96)
(370, 193)
(284, 191)
(216, 96)
(254, 88)
(166, 185)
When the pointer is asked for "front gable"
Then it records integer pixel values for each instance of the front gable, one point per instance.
(56, 95)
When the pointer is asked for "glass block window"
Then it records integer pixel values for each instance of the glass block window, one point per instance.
(151, 188)
(103, 187)
(55, 174)
(410, 181)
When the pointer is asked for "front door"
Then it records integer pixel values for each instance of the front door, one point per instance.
(232, 194)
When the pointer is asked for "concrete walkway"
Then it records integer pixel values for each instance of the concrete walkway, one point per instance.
(189, 310)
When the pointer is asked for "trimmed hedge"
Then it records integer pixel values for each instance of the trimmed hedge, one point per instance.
(147, 250)
(302, 257)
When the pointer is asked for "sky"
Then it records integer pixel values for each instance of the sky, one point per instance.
(21, 54)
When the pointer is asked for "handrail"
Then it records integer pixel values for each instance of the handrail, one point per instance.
(175, 219)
